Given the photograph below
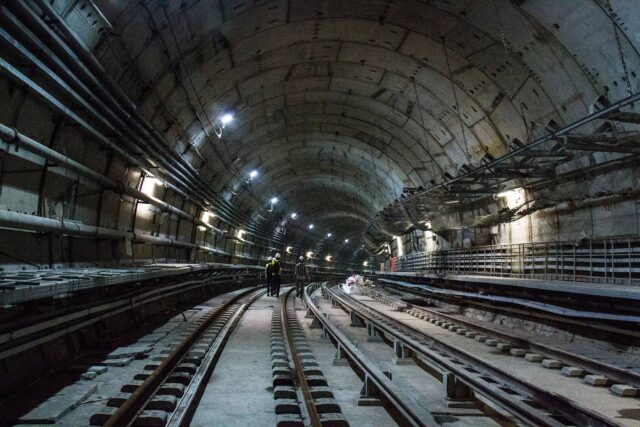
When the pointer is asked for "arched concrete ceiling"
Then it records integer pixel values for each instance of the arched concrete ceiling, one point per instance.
(340, 104)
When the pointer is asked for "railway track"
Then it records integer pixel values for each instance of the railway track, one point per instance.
(301, 391)
(465, 373)
(302, 394)
(376, 384)
(624, 327)
(175, 381)
(170, 393)
(589, 366)
(27, 332)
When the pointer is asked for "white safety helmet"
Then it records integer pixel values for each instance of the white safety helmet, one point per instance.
(277, 256)
(270, 258)
(301, 258)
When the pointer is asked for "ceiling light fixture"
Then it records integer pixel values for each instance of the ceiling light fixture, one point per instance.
(149, 184)
(206, 215)
(226, 118)
(311, 226)
(221, 122)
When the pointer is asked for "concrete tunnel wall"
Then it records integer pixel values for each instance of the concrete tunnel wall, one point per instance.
(339, 105)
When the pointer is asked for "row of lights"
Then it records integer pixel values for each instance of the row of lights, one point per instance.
(224, 120)
(294, 215)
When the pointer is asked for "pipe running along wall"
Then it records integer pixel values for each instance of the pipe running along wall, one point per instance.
(27, 222)
(12, 136)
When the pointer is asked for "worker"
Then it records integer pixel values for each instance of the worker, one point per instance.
(269, 275)
(301, 275)
(276, 271)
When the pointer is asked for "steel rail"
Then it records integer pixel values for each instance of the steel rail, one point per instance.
(412, 415)
(127, 413)
(437, 351)
(613, 372)
(300, 375)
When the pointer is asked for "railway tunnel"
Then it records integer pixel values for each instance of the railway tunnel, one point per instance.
(450, 189)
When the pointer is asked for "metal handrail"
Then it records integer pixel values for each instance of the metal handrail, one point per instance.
(614, 260)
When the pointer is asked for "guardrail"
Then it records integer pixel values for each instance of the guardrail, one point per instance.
(614, 261)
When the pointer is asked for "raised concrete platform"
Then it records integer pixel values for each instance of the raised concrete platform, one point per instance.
(586, 288)
(23, 286)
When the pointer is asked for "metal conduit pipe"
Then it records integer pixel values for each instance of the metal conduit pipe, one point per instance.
(14, 73)
(150, 134)
(77, 63)
(132, 192)
(106, 116)
(81, 50)
(56, 157)
(34, 19)
(12, 136)
(48, 225)
(27, 222)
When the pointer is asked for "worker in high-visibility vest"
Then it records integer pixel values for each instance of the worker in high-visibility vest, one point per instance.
(276, 271)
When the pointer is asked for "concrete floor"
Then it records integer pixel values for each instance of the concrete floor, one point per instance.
(239, 392)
